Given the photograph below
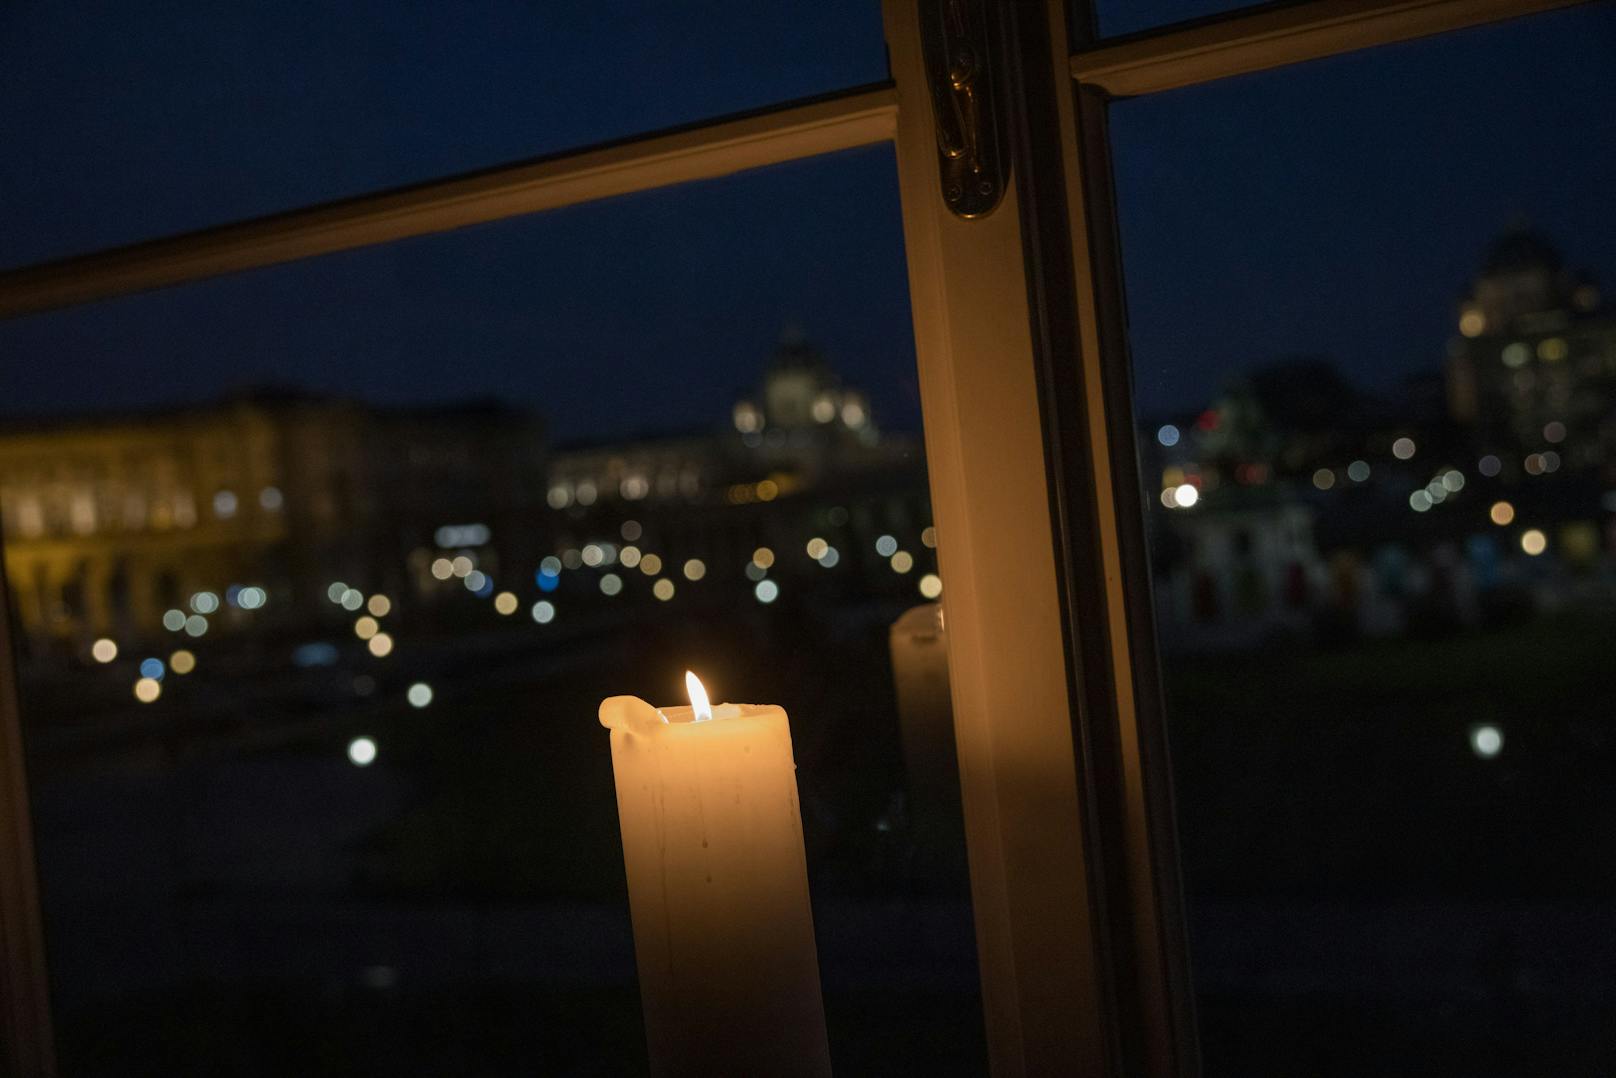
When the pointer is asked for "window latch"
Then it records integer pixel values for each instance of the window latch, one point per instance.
(972, 156)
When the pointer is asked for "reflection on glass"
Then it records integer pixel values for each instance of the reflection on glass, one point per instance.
(323, 571)
(1375, 376)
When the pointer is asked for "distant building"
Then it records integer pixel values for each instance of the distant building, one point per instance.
(1531, 371)
(111, 522)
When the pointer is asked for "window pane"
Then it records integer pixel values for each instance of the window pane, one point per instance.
(380, 531)
(129, 125)
(1374, 362)
(1114, 18)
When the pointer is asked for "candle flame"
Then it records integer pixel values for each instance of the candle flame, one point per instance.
(699, 704)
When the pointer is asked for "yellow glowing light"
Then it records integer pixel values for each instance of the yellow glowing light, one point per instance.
(700, 706)
(1472, 322)
(1502, 513)
(442, 568)
(104, 650)
(928, 537)
(461, 566)
(767, 490)
(381, 645)
(1324, 479)
(762, 557)
(365, 628)
(506, 603)
(931, 586)
(630, 557)
(695, 569)
(663, 589)
(1534, 542)
(182, 662)
(650, 564)
(379, 606)
(148, 689)
(1553, 349)
(817, 548)
(902, 562)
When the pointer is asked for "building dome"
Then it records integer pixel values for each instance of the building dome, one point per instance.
(1521, 250)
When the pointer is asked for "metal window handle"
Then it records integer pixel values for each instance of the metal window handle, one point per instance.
(971, 156)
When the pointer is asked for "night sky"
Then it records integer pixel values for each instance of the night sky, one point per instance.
(1334, 209)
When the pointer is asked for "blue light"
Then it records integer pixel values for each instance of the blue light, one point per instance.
(152, 668)
(548, 581)
(316, 654)
(486, 590)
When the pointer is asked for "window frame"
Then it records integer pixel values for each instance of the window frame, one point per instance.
(1022, 357)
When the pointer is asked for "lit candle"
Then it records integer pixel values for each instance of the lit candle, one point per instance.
(718, 887)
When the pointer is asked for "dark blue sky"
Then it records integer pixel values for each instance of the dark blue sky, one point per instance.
(1334, 208)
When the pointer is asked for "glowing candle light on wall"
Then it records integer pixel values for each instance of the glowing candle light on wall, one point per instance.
(718, 887)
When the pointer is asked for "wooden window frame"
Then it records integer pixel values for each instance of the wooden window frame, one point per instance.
(1022, 358)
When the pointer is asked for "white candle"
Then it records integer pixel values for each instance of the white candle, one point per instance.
(718, 887)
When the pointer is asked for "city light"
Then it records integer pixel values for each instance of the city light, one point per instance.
(830, 557)
(902, 562)
(174, 620)
(1185, 495)
(762, 557)
(1502, 513)
(104, 650)
(1486, 740)
(767, 591)
(1489, 466)
(1403, 448)
(506, 603)
(362, 751)
(336, 591)
(544, 612)
(419, 694)
(352, 599)
(271, 499)
(204, 602)
(252, 598)
(1420, 501)
(886, 546)
(550, 566)
(611, 584)
(182, 662)
(650, 564)
(442, 568)
(695, 569)
(1167, 435)
(366, 628)
(1554, 431)
(381, 645)
(1472, 322)
(1534, 542)
(461, 566)
(928, 537)
(476, 581)
(630, 557)
(931, 586)
(1358, 471)
(379, 606)
(196, 625)
(593, 555)
(1515, 355)
(631, 531)
(147, 690)
(224, 504)
(1453, 480)
(755, 572)
(1552, 349)
(153, 668)
(1324, 479)
(663, 589)
(816, 548)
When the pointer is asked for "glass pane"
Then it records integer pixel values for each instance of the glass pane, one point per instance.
(323, 571)
(1114, 18)
(124, 126)
(1375, 373)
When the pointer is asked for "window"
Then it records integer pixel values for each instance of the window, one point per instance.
(1371, 372)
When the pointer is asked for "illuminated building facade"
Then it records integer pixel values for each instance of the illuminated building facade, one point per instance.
(1532, 370)
(112, 522)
